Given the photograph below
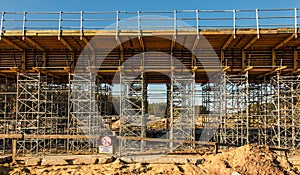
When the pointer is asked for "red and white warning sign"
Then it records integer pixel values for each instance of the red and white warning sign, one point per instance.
(106, 141)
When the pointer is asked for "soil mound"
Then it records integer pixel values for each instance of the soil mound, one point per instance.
(248, 159)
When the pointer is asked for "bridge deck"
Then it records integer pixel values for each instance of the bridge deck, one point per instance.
(56, 54)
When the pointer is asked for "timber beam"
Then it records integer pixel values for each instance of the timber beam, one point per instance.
(141, 41)
(253, 40)
(64, 42)
(34, 43)
(295, 59)
(86, 42)
(247, 69)
(228, 41)
(273, 58)
(273, 71)
(11, 43)
(282, 43)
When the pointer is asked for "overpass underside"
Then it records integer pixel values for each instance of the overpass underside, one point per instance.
(234, 88)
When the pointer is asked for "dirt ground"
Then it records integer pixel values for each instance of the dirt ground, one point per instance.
(249, 159)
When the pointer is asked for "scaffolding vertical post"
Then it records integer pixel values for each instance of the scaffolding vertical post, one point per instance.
(132, 110)
(59, 25)
(257, 23)
(24, 25)
(247, 107)
(296, 22)
(1, 24)
(278, 110)
(234, 23)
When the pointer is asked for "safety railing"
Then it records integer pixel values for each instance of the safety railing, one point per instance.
(152, 20)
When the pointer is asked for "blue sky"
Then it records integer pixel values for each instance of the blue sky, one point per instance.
(142, 5)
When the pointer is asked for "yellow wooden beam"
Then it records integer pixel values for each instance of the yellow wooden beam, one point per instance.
(73, 61)
(243, 59)
(280, 68)
(228, 41)
(64, 42)
(44, 59)
(11, 43)
(226, 68)
(141, 41)
(122, 56)
(34, 43)
(23, 61)
(284, 41)
(253, 40)
(247, 68)
(295, 59)
(84, 39)
(273, 71)
(222, 57)
(273, 58)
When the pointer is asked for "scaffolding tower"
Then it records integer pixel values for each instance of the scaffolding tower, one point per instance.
(234, 109)
(182, 121)
(285, 113)
(31, 110)
(7, 112)
(132, 111)
(82, 111)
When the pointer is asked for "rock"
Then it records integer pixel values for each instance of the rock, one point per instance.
(53, 161)
(196, 161)
(33, 161)
(235, 173)
(104, 160)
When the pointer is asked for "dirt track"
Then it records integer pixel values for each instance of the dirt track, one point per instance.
(249, 159)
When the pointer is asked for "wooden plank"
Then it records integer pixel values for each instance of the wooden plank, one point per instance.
(72, 61)
(141, 41)
(145, 32)
(253, 40)
(273, 58)
(29, 136)
(34, 43)
(24, 61)
(243, 59)
(12, 44)
(166, 140)
(84, 39)
(274, 71)
(65, 43)
(295, 59)
(228, 41)
(284, 41)
(248, 68)
(44, 59)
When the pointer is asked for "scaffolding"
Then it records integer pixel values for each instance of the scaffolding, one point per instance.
(285, 114)
(7, 112)
(234, 109)
(66, 111)
(259, 112)
(182, 119)
(31, 110)
(132, 112)
(82, 111)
